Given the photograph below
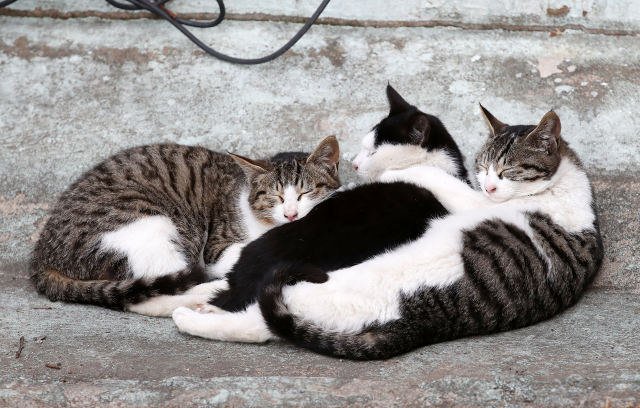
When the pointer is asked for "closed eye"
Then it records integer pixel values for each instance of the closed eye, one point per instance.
(371, 153)
(306, 192)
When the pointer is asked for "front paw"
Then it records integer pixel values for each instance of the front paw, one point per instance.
(185, 319)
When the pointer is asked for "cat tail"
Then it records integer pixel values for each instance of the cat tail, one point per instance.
(115, 294)
(372, 343)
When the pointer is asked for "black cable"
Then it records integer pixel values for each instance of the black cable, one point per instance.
(160, 3)
(156, 8)
(6, 3)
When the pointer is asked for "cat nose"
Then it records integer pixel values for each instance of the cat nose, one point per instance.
(490, 189)
(355, 167)
(291, 216)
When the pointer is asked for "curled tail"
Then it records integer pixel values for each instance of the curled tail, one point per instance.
(115, 294)
(372, 343)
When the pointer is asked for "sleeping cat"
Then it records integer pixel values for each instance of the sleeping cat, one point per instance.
(522, 250)
(156, 220)
(354, 225)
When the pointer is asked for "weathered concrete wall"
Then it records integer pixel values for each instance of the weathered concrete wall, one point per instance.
(592, 14)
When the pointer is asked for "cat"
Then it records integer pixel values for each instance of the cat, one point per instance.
(351, 226)
(518, 252)
(154, 221)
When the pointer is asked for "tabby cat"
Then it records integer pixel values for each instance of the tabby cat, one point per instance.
(351, 226)
(154, 221)
(518, 252)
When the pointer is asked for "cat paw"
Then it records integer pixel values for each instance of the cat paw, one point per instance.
(185, 319)
(207, 308)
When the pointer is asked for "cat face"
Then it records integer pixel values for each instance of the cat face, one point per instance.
(518, 161)
(405, 138)
(286, 189)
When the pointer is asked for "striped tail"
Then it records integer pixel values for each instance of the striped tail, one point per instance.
(115, 294)
(372, 343)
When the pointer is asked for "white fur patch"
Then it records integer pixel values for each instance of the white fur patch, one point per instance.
(366, 151)
(247, 326)
(225, 262)
(398, 157)
(151, 245)
(209, 288)
(254, 227)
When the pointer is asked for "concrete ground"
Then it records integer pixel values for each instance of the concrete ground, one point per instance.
(75, 91)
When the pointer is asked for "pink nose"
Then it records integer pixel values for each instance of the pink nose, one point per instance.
(291, 217)
(355, 167)
(490, 189)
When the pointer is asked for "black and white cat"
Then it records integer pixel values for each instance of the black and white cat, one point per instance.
(518, 252)
(351, 226)
(154, 221)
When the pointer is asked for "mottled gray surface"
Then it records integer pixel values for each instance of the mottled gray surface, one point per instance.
(75, 91)
(621, 15)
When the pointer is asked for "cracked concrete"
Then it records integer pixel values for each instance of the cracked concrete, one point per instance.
(75, 91)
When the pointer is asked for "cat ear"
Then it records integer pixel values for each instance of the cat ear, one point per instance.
(252, 168)
(396, 103)
(546, 136)
(327, 155)
(494, 124)
(420, 128)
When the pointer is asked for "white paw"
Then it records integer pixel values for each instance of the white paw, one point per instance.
(185, 319)
(207, 308)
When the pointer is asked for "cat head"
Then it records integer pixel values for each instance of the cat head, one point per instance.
(288, 186)
(407, 137)
(520, 160)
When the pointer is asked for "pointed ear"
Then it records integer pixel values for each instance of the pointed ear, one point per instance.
(396, 103)
(494, 124)
(420, 128)
(546, 136)
(326, 155)
(252, 168)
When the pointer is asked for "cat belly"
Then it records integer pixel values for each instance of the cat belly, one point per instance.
(151, 245)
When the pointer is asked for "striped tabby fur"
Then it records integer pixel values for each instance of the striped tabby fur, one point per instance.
(160, 219)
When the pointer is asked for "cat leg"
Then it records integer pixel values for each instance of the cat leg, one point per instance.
(209, 288)
(247, 326)
(164, 305)
(454, 194)
(225, 263)
(194, 298)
